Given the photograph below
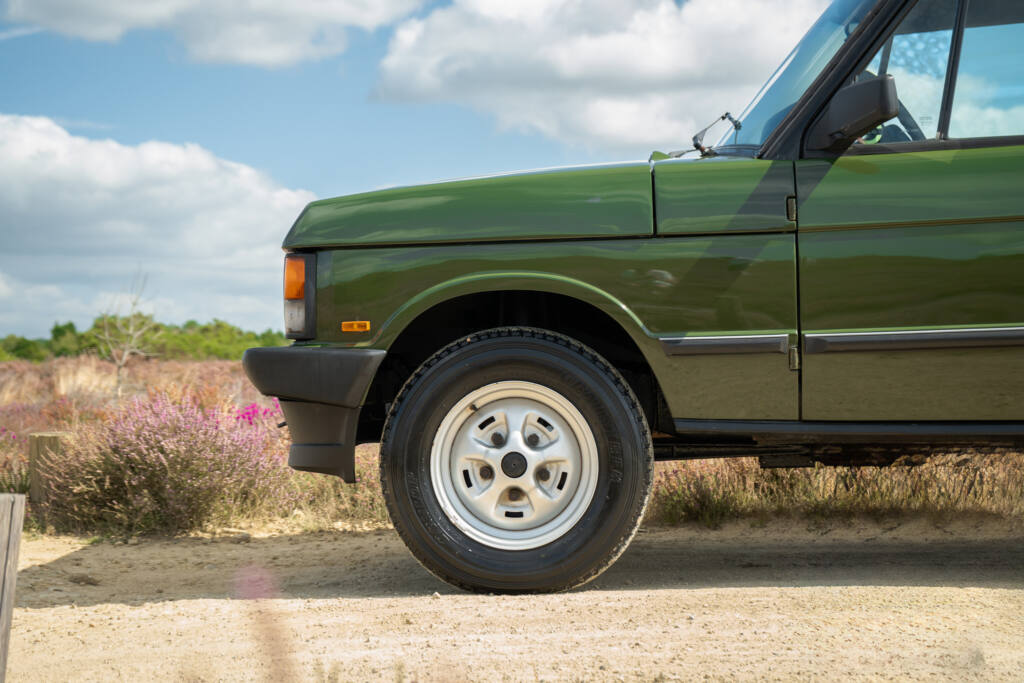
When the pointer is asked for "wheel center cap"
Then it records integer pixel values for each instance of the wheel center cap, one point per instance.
(513, 464)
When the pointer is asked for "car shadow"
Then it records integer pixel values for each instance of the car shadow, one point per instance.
(375, 564)
(657, 564)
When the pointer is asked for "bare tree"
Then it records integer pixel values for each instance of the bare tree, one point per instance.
(123, 336)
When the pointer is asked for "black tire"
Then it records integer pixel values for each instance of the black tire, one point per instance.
(609, 518)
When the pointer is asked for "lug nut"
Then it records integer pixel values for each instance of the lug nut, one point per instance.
(514, 494)
(498, 439)
(487, 473)
(532, 440)
(543, 474)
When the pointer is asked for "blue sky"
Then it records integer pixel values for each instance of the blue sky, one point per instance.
(180, 138)
(316, 125)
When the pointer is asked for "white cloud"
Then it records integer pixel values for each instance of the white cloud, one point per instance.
(981, 108)
(259, 32)
(602, 73)
(82, 216)
(18, 32)
(30, 309)
(970, 120)
(921, 94)
(81, 124)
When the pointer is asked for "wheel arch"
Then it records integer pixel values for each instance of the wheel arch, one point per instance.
(443, 313)
(540, 282)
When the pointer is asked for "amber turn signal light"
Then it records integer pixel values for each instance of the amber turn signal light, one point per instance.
(355, 326)
(294, 278)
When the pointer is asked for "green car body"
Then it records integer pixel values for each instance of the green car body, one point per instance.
(589, 235)
(685, 249)
(798, 302)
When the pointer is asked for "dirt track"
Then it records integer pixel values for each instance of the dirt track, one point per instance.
(780, 602)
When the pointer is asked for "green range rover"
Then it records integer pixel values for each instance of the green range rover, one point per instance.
(838, 278)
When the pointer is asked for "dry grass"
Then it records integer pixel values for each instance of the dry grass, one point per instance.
(328, 502)
(948, 483)
(22, 382)
(83, 376)
(71, 394)
(87, 378)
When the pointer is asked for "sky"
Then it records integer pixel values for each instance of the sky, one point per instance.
(179, 139)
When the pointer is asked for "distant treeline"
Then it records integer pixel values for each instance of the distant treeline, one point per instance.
(193, 340)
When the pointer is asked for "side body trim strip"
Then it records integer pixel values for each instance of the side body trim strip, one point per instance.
(786, 431)
(914, 340)
(742, 343)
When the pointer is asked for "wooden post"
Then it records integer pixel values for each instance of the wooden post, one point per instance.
(40, 445)
(12, 514)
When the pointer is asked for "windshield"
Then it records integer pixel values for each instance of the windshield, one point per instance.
(797, 72)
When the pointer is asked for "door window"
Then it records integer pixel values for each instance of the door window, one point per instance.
(916, 56)
(989, 96)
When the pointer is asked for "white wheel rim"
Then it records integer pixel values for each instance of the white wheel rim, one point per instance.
(476, 475)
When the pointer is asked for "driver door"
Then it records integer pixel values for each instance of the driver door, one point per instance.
(912, 243)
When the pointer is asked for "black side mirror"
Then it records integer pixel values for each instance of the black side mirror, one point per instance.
(853, 111)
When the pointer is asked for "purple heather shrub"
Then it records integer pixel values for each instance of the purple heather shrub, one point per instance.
(163, 465)
(254, 414)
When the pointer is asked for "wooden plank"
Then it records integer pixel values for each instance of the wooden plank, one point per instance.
(12, 514)
(40, 445)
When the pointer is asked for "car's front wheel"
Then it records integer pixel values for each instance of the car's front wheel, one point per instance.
(516, 460)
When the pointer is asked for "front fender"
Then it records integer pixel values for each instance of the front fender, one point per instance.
(475, 283)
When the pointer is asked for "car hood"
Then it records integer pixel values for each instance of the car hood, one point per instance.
(610, 200)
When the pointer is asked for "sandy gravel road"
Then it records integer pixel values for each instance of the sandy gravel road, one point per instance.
(780, 602)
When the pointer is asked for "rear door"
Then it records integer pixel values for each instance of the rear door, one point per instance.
(911, 244)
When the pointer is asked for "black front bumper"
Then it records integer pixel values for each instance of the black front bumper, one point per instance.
(321, 390)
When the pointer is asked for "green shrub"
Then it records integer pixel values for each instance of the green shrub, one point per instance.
(190, 341)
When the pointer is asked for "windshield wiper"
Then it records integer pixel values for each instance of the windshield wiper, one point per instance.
(698, 139)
